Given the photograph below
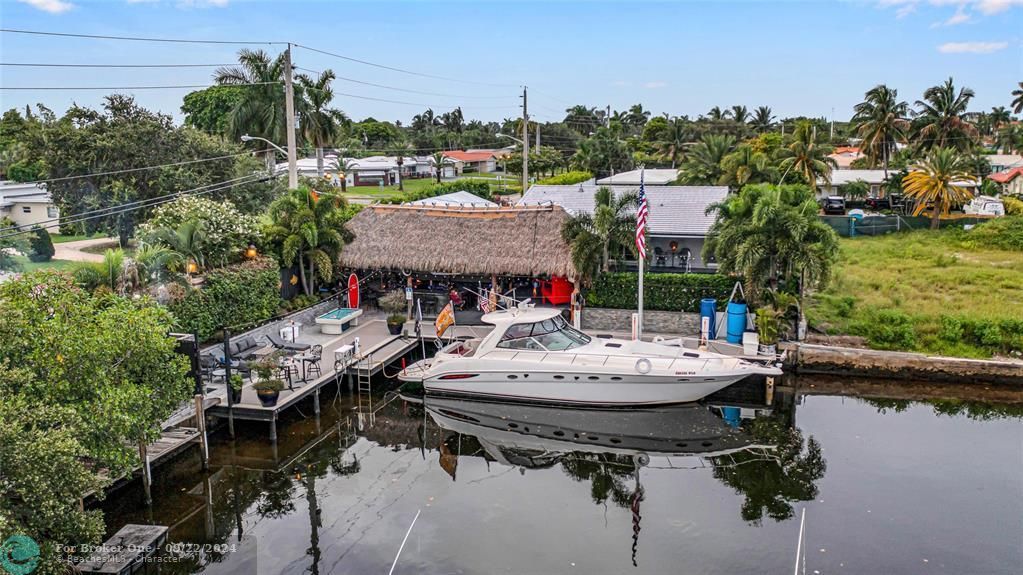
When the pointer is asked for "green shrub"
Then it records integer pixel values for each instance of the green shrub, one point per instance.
(479, 188)
(1013, 206)
(300, 301)
(666, 292)
(888, 329)
(242, 294)
(567, 178)
(951, 329)
(1005, 233)
(42, 245)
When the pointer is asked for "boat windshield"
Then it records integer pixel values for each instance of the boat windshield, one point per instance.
(552, 334)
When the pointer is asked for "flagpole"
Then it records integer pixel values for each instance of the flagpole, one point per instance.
(641, 243)
(639, 319)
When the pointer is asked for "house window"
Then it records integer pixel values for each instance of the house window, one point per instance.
(51, 212)
(26, 209)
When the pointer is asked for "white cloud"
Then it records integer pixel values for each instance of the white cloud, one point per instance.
(51, 6)
(655, 84)
(972, 47)
(202, 3)
(985, 7)
(620, 83)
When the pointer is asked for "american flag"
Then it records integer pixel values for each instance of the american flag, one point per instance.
(484, 301)
(641, 216)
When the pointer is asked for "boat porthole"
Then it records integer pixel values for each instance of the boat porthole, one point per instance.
(706, 444)
(682, 445)
(593, 438)
(615, 440)
(575, 435)
(577, 378)
(615, 378)
(513, 425)
(593, 378)
(559, 433)
(526, 429)
(513, 377)
(559, 377)
(525, 375)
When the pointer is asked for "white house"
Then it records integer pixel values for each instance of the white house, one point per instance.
(651, 177)
(678, 221)
(28, 205)
(1004, 162)
(1010, 181)
(873, 178)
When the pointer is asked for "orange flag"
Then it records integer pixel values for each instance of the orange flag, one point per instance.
(445, 319)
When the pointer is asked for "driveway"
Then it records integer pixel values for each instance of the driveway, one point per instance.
(72, 251)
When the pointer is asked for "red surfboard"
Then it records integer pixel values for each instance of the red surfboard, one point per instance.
(353, 291)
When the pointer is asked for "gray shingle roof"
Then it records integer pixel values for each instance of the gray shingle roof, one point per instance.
(674, 210)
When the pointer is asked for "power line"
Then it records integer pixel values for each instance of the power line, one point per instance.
(402, 102)
(131, 206)
(48, 65)
(125, 171)
(175, 87)
(135, 38)
(402, 70)
(403, 89)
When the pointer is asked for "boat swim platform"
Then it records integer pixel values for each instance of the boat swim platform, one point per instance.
(126, 551)
(378, 349)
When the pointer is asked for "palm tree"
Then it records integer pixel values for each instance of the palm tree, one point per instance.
(342, 166)
(308, 229)
(611, 225)
(941, 119)
(739, 114)
(932, 182)
(716, 114)
(1017, 100)
(637, 117)
(261, 112)
(744, 166)
(319, 125)
(673, 140)
(438, 162)
(998, 117)
(880, 120)
(702, 164)
(186, 242)
(762, 119)
(807, 157)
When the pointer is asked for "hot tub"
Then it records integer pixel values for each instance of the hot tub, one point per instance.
(337, 320)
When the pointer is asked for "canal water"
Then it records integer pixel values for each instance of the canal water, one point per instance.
(887, 485)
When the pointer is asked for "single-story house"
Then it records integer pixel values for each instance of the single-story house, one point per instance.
(844, 156)
(1011, 181)
(651, 177)
(369, 171)
(479, 161)
(677, 226)
(873, 178)
(461, 198)
(1004, 162)
(28, 205)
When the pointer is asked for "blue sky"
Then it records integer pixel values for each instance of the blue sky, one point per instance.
(676, 57)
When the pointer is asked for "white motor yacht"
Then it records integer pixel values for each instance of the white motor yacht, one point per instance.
(534, 355)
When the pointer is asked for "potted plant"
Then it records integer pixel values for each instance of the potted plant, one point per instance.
(265, 367)
(268, 391)
(767, 329)
(236, 388)
(395, 304)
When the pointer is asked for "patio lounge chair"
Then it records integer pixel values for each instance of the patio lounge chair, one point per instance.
(276, 341)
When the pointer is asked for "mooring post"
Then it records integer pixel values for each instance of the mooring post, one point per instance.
(227, 382)
(316, 401)
(769, 390)
(146, 477)
(200, 426)
(273, 428)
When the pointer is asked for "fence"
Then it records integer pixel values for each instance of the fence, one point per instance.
(848, 226)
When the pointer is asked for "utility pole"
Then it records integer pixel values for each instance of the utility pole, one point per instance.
(538, 136)
(289, 111)
(832, 122)
(525, 143)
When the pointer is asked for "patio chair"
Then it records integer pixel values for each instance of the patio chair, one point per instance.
(311, 361)
(207, 367)
(276, 341)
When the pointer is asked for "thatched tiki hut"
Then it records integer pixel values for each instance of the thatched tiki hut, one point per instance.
(480, 242)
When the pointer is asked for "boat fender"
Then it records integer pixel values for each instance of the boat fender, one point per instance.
(643, 365)
(641, 459)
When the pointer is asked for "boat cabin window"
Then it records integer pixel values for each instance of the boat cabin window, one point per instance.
(552, 334)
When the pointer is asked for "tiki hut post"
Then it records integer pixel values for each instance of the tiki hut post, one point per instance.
(408, 283)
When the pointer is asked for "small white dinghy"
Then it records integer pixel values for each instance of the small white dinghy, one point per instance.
(534, 355)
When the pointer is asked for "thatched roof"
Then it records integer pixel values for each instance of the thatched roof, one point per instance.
(524, 241)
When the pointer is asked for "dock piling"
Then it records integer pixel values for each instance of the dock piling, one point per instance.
(200, 425)
(769, 390)
(147, 478)
(273, 428)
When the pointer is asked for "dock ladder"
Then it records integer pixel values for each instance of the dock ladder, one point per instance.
(364, 390)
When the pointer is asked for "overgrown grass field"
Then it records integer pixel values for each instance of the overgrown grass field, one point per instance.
(949, 292)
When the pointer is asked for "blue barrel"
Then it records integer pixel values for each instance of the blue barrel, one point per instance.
(732, 416)
(736, 321)
(708, 309)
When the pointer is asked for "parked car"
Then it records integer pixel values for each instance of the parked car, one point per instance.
(878, 203)
(834, 205)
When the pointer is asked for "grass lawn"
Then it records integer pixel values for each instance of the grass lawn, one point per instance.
(30, 266)
(411, 185)
(922, 276)
(59, 239)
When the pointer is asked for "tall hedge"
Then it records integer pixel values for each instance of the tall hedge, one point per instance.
(665, 292)
(42, 245)
(241, 294)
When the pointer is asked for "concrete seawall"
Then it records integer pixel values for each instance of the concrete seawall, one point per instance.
(808, 358)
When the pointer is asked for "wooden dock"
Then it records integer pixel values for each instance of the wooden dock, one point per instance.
(378, 349)
(126, 551)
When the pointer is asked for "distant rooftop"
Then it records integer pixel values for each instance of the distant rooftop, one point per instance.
(651, 177)
(460, 198)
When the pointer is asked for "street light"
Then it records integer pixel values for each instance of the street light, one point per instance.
(509, 137)
(292, 168)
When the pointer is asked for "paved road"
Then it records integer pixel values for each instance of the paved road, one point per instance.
(72, 251)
